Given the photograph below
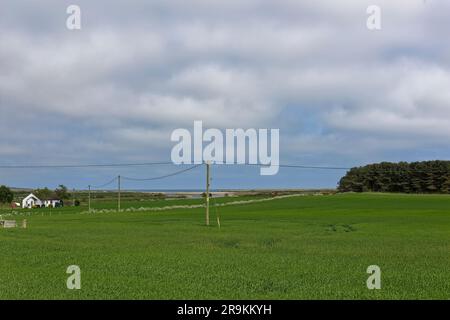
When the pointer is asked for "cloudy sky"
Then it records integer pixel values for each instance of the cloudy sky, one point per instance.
(341, 95)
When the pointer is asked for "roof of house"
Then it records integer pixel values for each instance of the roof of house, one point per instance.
(31, 196)
(52, 197)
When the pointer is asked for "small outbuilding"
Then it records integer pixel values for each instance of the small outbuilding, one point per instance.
(53, 203)
(31, 201)
(15, 205)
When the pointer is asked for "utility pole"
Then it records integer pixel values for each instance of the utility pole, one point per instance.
(89, 199)
(118, 202)
(208, 164)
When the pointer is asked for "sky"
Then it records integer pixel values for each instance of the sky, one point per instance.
(114, 91)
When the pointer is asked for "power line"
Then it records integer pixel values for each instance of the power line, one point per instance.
(295, 166)
(164, 176)
(376, 170)
(111, 165)
(313, 167)
(145, 179)
(65, 166)
(104, 185)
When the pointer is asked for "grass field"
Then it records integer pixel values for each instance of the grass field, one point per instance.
(305, 247)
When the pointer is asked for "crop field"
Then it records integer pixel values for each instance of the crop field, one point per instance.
(299, 247)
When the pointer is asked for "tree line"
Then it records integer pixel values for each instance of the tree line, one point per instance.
(60, 193)
(403, 177)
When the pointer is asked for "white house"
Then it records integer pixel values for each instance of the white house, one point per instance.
(31, 201)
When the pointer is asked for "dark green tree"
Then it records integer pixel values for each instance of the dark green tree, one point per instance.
(446, 184)
(43, 194)
(62, 192)
(6, 195)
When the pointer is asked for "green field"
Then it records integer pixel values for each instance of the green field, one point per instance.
(305, 247)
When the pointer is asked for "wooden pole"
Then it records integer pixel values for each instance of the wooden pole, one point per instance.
(207, 191)
(118, 202)
(89, 201)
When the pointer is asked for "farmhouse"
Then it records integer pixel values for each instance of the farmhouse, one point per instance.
(31, 201)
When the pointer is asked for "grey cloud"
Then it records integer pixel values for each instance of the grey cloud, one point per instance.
(139, 69)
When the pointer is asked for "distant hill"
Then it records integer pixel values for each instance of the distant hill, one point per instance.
(21, 189)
